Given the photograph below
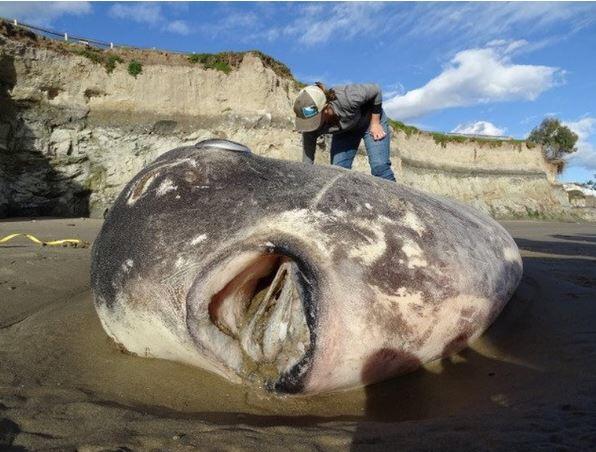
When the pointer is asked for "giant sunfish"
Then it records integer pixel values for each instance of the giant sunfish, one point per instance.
(290, 277)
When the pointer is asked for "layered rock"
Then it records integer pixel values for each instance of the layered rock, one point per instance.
(72, 133)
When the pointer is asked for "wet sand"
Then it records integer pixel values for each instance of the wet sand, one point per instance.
(529, 382)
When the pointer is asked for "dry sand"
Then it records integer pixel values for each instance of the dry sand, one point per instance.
(528, 383)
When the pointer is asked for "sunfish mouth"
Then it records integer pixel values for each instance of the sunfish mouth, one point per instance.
(255, 308)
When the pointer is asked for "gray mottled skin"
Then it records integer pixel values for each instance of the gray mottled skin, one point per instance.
(386, 276)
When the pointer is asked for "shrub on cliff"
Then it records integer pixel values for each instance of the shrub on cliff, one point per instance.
(111, 63)
(556, 140)
(218, 61)
(135, 68)
(91, 53)
(99, 56)
(228, 61)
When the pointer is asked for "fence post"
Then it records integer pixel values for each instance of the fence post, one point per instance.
(66, 36)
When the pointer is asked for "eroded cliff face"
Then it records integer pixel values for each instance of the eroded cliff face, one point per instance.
(72, 134)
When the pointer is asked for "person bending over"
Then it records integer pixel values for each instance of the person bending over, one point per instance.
(350, 113)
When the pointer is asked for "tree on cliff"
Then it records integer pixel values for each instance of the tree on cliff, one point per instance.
(555, 138)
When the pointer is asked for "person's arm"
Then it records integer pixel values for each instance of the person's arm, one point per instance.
(374, 93)
(309, 146)
(376, 129)
(368, 93)
(365, 93)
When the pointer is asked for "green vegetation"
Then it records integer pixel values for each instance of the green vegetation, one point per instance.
(111, 63)
(227, 61)
(444, 138)
(219, 66)
(98, 56)
(556, 140)
(218, 61)
(196, 58)
(408, 130)
(278, 67)
(534, 214)
(92, 53)
(135, 68)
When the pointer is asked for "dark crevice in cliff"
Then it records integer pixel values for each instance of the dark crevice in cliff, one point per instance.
(29, 184)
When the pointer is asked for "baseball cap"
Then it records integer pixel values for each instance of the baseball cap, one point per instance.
(308, 107)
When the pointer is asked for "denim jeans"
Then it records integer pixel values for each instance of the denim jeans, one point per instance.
(344, 147)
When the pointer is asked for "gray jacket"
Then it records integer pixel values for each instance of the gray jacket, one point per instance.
(354, 106)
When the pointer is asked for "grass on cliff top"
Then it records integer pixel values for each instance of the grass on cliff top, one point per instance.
(443, 138)
(408, 130)
(109, 58)
(227, 61)
(111, 62)
(106, 59)
(218, 61)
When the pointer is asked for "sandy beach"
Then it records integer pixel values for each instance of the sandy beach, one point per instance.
(528, 383)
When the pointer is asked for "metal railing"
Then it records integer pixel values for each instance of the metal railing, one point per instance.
(66, 37)
(59, 36)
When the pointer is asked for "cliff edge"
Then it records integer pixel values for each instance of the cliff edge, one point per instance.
(76, 123)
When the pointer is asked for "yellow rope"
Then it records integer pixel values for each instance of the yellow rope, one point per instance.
(65, 242)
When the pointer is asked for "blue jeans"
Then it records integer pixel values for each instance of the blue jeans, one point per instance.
(344, 147)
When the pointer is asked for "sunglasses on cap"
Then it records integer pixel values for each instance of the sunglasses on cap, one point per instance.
(309, 112)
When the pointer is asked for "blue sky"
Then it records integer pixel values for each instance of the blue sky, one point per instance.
(494, 68)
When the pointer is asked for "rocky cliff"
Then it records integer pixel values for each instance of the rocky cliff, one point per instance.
(75, 126)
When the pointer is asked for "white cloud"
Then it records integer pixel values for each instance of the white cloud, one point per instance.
(583, 127)
(238, 23)
(314, 24)
(392, 90)
(585, 156)
(456, 24)
(179, 27)
(149, 13)
(476, 76)
(479, 128)
(152, 14)
(476, 22)
(42, 13)
(344, 21)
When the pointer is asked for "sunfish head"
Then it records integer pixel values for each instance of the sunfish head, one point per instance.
(294, 278)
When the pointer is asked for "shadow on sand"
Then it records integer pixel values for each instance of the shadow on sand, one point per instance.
(576, 246)
(549, 316)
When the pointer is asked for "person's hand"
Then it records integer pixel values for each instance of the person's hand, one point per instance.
(377, 132)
